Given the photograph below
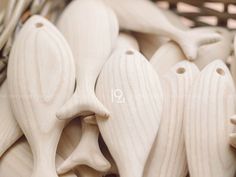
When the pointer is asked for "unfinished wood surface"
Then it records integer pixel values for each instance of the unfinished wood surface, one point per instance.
(10, 130)
(145, 16)
(41, 78)
(220, 50)
(166, 57)
(69, 140)
(130, 88)
(91, 29)
(87, 152)
(168, 156)
(18, 161)
(125, 40)
(209, 105)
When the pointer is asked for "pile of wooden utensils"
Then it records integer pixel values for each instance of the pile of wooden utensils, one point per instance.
(113, 87)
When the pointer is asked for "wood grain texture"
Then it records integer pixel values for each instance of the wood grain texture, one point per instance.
(166, 57)
(168, 156)
(87, 152)
(91, 41)
(209, 105)
(10, 130)
(70, 139)
(145, 16)
(41, 78)
(126, 85)
(18, 161)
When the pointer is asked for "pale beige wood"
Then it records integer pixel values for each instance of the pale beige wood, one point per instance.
(168, 155)
(209, 105)
(91, 29)
(233, 62)
(144, 16)
(150, 43)
(170, 53)
(18, 161)
(10, 130)
(41, 78)
(126, 40)
(129, 87)
(166, 57)
(87, 152)
(69, 140)
(220, 50)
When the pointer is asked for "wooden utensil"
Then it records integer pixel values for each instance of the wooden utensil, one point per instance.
(18, 161)
(87, 152)
(168, 155)
(41, 78)
(207, 124)
(126, 85)
(10, 130)
(145, 17)
(91, 41)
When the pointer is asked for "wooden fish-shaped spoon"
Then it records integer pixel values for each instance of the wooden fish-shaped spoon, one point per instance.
(209, 105)
(10, 130)
(168, 156)
(144, 16)
(130, 88)
(91, 41)
(41, 78)
(18, 161)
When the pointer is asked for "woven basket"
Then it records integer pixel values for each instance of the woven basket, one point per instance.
(204, 13)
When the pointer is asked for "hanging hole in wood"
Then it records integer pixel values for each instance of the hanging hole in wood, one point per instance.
(220, 71)
(129, 52)
(180, 70)
(39, 25)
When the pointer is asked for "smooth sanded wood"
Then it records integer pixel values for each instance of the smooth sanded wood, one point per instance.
(10, 130)
(18, 161)
(41, 79)
(209, 105)
(90, 28)
(168, 155)
(130, 88)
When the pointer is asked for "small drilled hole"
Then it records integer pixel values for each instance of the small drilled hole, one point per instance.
(129, 52)
(38, 25)
(180, 70)
(220, 71)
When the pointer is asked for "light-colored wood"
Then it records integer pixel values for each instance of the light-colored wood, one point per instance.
(87, 152)
(69, 141)
(209, 105)
(91, 41)
(145, 17)
(233, 62)
(10, 130)
(220, 50)
(168, 155)
(150, 43)
(166, 57)
(130, 88)
(41, 78)
(18, 161)
(125, 40)
(170, 53)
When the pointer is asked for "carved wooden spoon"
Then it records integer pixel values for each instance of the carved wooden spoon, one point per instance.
(41, 79)
(126, 85)
(91, 41)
